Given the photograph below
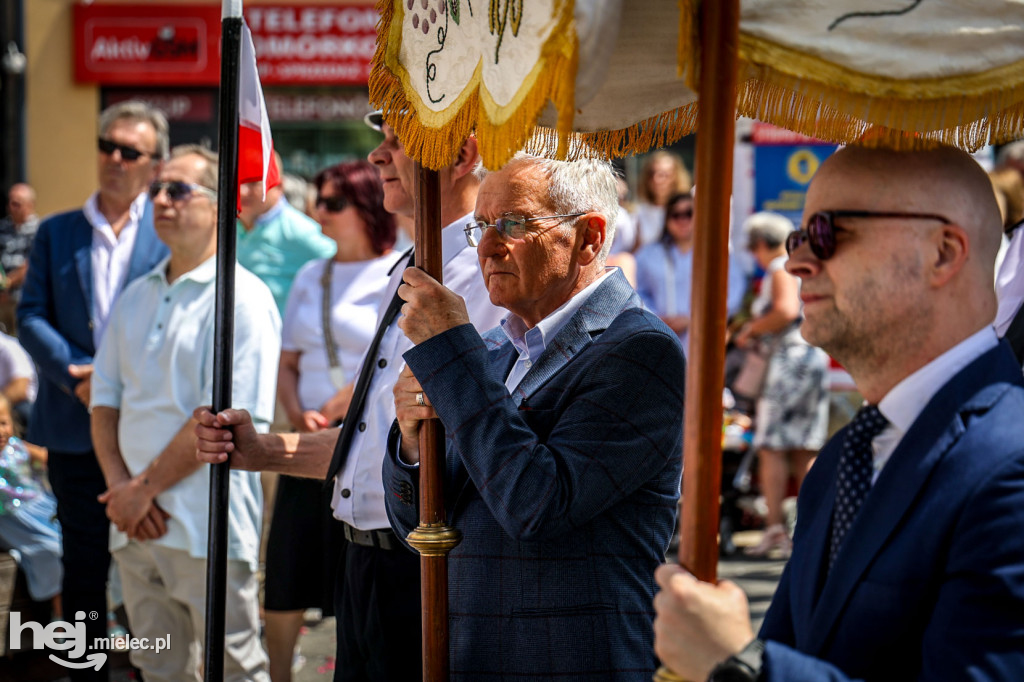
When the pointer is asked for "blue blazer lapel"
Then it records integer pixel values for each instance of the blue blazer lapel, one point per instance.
(612, 297)
(931, 436)
(82, 253)
(806, 564)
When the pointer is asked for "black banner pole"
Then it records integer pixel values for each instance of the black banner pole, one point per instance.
(223, 335)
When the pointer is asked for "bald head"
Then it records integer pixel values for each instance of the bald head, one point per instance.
(943, 181)
(915, 235)
(21, 202)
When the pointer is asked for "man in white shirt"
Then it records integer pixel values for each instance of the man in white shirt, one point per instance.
(79, 263)
(908, 560)
(377, 594)
(154, 367)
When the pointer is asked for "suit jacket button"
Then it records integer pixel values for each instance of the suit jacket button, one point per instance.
(346, 493)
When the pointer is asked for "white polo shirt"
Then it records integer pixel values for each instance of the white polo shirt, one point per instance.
(155, 365)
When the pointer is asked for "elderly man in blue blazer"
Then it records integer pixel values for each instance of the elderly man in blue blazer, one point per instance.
(564, 435)
(80, 262)
(908, 559)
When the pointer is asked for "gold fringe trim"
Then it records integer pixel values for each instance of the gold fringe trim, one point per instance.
(833, 103)
(651, 133)
(435, 138)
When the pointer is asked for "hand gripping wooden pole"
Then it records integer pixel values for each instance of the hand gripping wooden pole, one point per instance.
(433, 538)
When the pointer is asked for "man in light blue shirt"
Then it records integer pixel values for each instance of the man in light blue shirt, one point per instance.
(154, 367)
(275, 239)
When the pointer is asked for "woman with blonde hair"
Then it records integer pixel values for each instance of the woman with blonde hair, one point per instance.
(663, 176)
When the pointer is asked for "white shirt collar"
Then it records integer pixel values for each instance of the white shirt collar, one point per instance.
(99, 221)
(534, 341)
(453, 238)
(203, 273)
(903, 404)
(907, 399)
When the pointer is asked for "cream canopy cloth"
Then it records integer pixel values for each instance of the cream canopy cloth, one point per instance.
(616, 77)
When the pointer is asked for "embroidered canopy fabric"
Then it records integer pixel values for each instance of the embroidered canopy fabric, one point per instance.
(617, 78)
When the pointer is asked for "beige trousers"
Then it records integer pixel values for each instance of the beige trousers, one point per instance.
(165, 597)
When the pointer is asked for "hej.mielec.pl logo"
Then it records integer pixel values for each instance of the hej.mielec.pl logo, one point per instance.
(58, 635)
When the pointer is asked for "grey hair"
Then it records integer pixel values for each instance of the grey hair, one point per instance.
(771, 229)
(140, 112)
(582, 186)
(211, 174)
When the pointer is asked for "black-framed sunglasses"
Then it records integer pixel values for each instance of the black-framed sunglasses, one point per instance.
(820, 231)
(335, 204)
(510, 225)
(686, 213)
(108, 147)
(178, 190)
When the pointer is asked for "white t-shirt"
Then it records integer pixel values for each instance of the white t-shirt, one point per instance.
(357, 291)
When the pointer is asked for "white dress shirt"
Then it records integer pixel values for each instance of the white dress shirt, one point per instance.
(156, 366)
(359, 488)
(904, 403)
(531, 342)
(111, 255)
(357, 291)
(1010, 282)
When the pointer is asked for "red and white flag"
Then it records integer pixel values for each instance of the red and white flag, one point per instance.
(255, 147)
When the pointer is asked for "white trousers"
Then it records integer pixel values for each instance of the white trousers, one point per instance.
(165, 596)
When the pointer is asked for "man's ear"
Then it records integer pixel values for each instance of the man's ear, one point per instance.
(593, 237)
(952, 250)
(468, 159)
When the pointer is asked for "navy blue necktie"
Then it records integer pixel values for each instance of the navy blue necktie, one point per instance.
(854, 474)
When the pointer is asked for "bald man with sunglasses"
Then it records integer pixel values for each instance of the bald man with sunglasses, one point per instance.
(908, 557)
(80, 262)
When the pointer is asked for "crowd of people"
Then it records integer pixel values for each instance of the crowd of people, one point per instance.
(560, 383)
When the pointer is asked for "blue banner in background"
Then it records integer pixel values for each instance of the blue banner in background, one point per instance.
(782, 174)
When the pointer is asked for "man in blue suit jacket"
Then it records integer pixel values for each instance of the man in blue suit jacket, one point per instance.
(923, 577)
(564, 435)
(80, 262)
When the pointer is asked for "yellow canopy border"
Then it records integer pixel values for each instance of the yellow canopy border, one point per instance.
(813, 96)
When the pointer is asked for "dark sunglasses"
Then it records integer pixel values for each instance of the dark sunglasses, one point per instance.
(335, 204)
(820, 231)
(679, 215)
(178, 190)
(127, 153)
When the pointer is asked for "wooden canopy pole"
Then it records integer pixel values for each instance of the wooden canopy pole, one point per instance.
(702, 441)
(433, 539)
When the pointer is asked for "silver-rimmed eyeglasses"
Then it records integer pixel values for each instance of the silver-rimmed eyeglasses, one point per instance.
(510, 226)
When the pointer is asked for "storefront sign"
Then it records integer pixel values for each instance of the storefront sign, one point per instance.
(150, 44)
(185, 106)
(342, 107)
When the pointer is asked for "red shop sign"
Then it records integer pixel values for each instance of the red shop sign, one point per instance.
(149, 44)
